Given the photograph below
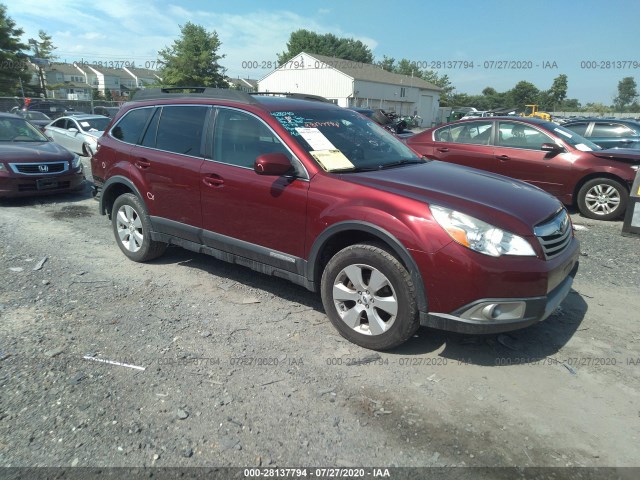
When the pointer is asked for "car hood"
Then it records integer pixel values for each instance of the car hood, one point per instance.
(628, 155)
(26, 152)
(492, 198)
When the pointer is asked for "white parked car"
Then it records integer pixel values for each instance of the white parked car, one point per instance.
(79, 133)
(476, 114)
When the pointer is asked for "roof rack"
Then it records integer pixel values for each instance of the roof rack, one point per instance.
(299, 96)
(193, 92)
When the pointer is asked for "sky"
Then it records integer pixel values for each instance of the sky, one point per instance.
(478, 44)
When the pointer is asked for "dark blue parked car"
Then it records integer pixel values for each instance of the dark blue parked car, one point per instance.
(608, 133)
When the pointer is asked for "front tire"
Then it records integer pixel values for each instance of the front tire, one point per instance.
(369, 297)
(602, 199)
(132, 229)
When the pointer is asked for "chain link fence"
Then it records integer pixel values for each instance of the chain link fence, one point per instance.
(7, 103)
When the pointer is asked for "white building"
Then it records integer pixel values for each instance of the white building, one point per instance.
(355, 84)
(66, 81)
(139, 78)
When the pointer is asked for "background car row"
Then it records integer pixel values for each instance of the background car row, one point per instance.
(78, 133)
(542, 153)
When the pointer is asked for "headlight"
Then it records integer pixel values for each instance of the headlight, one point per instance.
(76, 162)
(480, 236)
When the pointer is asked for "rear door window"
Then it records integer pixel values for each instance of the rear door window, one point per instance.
(180, 129)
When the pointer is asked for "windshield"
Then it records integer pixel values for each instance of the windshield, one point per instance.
(572, 138)
(342, 140)
(94, 124)
(19, 130)
(33, 115)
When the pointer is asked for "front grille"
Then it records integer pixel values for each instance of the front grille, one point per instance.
(41, 168)
(555, 235)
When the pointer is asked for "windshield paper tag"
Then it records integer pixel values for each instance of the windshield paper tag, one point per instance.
(85, 124)
(315, 138)
(331, 159)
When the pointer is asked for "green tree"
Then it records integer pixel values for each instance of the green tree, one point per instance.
(43, 54)
(387, 63)
(524, 93)
(14, 69)
(558, 91)
(328, 44)
(627, 93)
(192, 60)
(570, 105)
(598, 107)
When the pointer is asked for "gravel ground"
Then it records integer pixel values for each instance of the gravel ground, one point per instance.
(221, 366)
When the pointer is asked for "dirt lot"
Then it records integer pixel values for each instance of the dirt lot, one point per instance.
(241, 369)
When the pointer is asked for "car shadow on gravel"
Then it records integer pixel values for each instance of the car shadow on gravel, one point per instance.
(532, 344)
(537, 343)
(242, 275)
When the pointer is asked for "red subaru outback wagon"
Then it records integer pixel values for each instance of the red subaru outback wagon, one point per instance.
(324, 197)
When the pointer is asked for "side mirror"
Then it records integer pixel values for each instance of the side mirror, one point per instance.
(551, 147)
(275, 164)
(73, 130)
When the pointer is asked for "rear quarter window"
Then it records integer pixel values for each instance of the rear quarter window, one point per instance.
(610, 130)
(442, 135)
(130, 127)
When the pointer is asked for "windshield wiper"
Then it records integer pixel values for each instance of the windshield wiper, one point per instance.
(400, 163)
(354, 169)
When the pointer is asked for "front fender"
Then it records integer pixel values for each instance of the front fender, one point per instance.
(397, 247)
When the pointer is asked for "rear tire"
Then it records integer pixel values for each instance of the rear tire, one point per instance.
(602, 199)
(369, 297)
(132, 229)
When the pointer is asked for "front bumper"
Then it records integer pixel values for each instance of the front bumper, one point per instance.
(34, 185)
(476, 317)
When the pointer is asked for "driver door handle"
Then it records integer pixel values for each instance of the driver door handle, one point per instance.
(503, 158)
(442, 149)
(213, 180)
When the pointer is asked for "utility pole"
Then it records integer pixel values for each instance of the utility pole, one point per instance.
(38, 63)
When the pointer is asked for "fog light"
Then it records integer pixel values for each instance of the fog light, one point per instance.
(491, 311)
(496, 311)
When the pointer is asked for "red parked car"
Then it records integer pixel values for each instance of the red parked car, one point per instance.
(542, 153)
(324, 197)
(31, 164)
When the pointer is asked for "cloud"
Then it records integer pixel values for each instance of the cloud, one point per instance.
(119, 30)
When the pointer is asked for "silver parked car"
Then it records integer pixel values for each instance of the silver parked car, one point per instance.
(78, 133)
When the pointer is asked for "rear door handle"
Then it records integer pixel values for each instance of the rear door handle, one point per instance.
(141, 163)
(213, 181)
(442, 149)
(503, 158)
